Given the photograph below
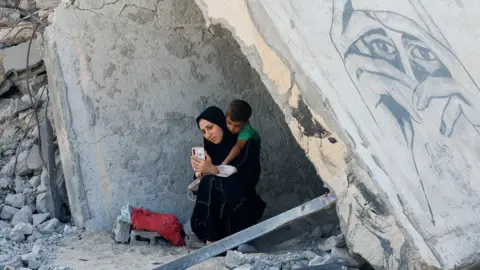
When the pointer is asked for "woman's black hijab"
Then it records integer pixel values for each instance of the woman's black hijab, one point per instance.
(218, 152)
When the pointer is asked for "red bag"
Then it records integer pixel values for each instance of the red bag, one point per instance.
(166, 225)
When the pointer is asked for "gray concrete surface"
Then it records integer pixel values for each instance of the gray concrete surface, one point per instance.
(397, 82)
(126, 84)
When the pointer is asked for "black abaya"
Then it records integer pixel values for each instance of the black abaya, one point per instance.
(226, 205)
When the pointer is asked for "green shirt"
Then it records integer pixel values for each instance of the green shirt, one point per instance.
(247, 133)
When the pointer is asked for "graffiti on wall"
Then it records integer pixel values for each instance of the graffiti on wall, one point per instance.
(408, 76)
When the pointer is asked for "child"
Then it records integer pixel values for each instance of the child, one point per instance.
(238, 114)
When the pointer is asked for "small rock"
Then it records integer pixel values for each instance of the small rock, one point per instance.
(5, 232)
(20, 185)
(34, 264)
(35, 181)
(17, 106)
(69, 230)
(246, 248)
(34, 160)
(309, 254)
(244, 267)
(351, 260)
(15, 200)
(19, 231)
(8, 212)
(234, 259)
(31, 260)
(8, 168)
(331, 242)
(22, 168)
(48, 226)
(9, 132)
(317, 232)
(41, 203)
(35, 236)
(4, 224)
(41, 188)
(38, 249)
(24, 215)
(40, 218)
(13, 263)
(5, 182)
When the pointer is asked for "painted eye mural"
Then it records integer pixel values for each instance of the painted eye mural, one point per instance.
(407, 74)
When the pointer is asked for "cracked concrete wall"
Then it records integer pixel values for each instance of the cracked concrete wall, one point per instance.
(394, 82)
(127, 80)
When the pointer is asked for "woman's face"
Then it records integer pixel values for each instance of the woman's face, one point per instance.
(211, 132)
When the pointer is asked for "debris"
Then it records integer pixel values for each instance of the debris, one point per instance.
(5, 182)
(21, 169)
(34, 181)
(24, 215)
(246, 248)
(351, 260)
(8, 212)
(41, 203)
(15, 200)
(40, 218)
(121, 231)
(34, 160)
(48, 226)
(151, 236)
(20, 185)
(251, 233)
(333, 241)
(19, 231)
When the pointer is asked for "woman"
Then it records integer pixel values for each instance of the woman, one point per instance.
(224, 205)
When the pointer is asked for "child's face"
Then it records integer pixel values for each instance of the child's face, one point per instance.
(234, 127)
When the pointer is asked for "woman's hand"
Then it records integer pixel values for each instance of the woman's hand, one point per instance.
(203, 166)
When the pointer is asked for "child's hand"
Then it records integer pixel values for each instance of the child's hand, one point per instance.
(198, 175)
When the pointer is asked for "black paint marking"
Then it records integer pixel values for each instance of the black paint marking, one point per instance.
(311, 127)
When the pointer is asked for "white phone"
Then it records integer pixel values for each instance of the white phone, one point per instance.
(199, 152)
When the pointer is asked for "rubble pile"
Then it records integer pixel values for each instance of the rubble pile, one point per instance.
(324, 246)
(28, 231)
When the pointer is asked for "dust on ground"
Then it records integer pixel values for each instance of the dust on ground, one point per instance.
(86, 251)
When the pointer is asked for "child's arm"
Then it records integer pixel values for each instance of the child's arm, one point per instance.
(235, 151)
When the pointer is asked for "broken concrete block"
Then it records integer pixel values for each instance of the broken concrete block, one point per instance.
(151, 236)
(5, 182)
(121, 231)
(8, 212)
(245, 267)
(35, 181)
(13, 263)
(15, 200)
(31, 260)
(331, 242)
(20, 185)
(351, 260)
(34, 160)
(22, 169)
(24, 215)
(309, 254)
(17, 105)
(40, 218)
(235, 259)
(41, 203)
(48, 226)
(19, 231)
(4, 224)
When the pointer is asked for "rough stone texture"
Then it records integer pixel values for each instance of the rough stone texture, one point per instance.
(15, 200)
(19, 231)
(34, 160)
(40, 218)
(8, 212)
(396, 85)
(48, 226)
(24, 215)
(127, 81)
